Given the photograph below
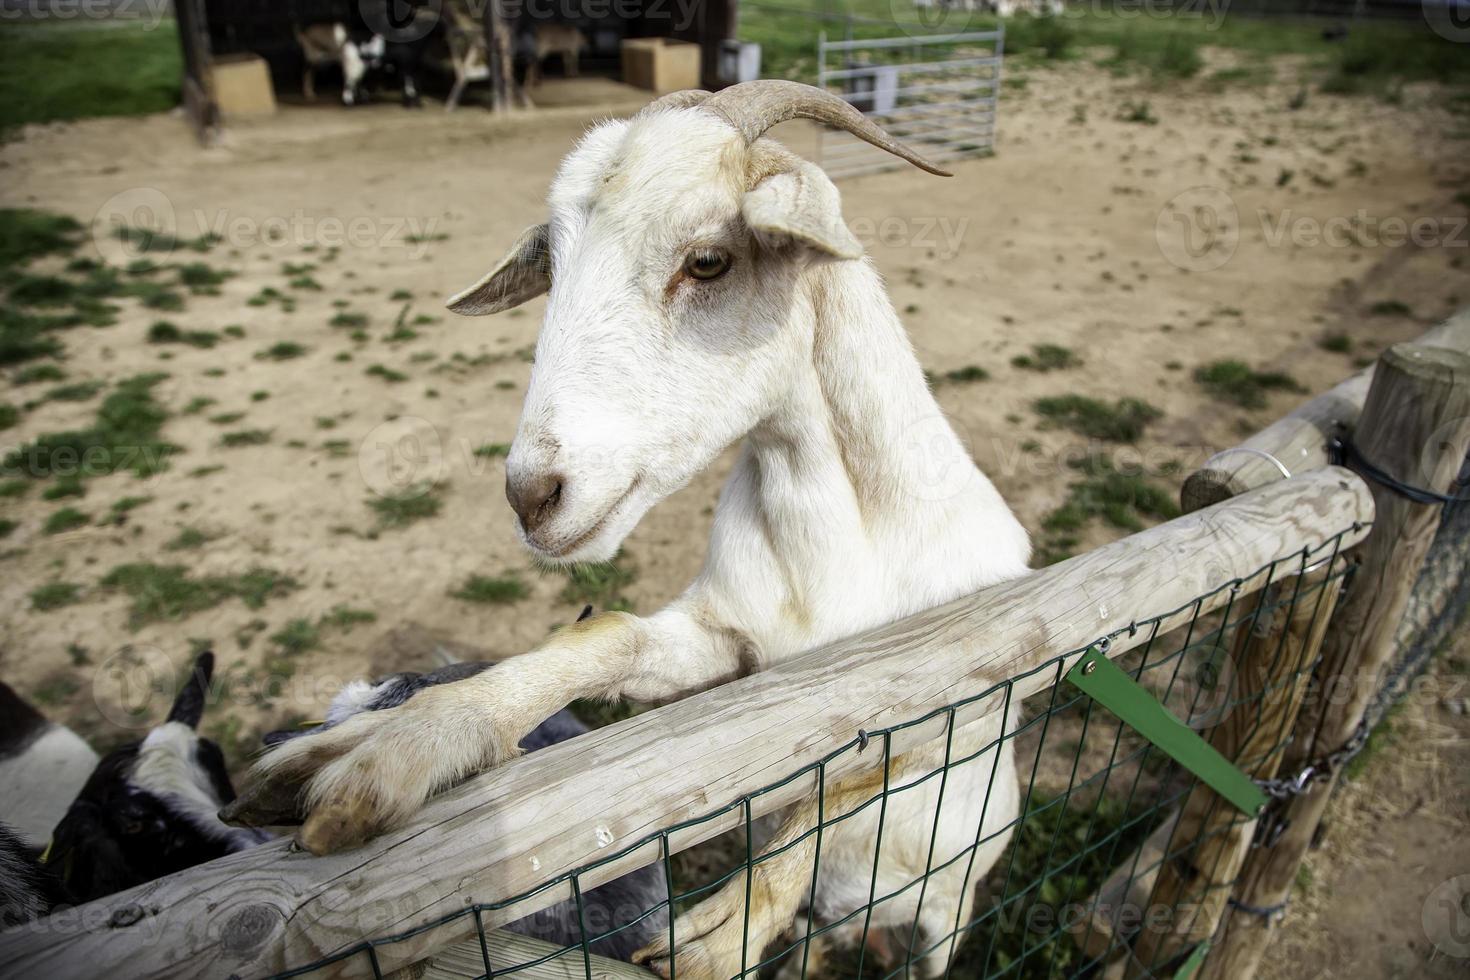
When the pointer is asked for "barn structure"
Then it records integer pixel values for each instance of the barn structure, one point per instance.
(211, 30)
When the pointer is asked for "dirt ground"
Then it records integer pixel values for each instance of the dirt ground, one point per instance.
(1070, 235)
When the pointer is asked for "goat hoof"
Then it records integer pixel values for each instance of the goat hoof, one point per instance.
(336, 825)
(266, 804)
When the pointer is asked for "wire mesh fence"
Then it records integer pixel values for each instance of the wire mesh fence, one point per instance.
(979, 855)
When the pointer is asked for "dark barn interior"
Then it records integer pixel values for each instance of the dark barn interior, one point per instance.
(269, 30)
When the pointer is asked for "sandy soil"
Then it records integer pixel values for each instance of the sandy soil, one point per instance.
(1064, 237)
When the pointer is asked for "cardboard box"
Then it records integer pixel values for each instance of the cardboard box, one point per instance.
(242, 85)
(660, 64)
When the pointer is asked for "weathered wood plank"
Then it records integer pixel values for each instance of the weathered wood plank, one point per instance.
(1415, 426)
(1299, 441)
(515, 828)
(466, 961)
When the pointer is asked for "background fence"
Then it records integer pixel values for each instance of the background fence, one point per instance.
(1234, 617)
(938, 93)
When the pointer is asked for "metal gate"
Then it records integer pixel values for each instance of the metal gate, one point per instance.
(936, 92)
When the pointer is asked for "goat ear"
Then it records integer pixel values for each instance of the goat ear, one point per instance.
(523, 274)
(801, 205)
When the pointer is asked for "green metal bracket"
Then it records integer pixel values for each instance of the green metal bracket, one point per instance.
(1106, 683)
(1196, 957)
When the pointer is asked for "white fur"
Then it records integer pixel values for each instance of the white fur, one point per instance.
(166, 767)
(40, 782)
(853, 504)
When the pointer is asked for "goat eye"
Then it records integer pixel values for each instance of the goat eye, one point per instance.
(707, 264)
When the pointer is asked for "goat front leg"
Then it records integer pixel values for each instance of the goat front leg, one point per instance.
(374, 771)
(713, 941)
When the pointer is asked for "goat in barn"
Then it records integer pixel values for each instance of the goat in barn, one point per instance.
(43, 766)
(361, 54)
(150, 808)
(704, 287)
(552, 38)
(323, 45)
(616, 905)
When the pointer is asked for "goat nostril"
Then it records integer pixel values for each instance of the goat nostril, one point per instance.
(535, 499)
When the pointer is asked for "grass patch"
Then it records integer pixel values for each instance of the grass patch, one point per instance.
(37, 373)
(66, 486)
(386, 373)
(55, 595)
(493, 450)
(1123, 421)
(201, 279)
(75, 71)
(969, 374)
(26, 233)
(1140, 112)
(495, 591)
(245, 437)
(168, 593)
(1336, 343)
(164, 332)
(1060, 854)
(348, 321)
(80, 391)
(297, 637)
(65, 519)
(7, 527)
(1239, 384)
(117, 515)
(283, 351)
(188, 539)
(599, 584)
(346, 618)
(415, 504)
(1123, 500)
(9, 415)
(1046, 357)
(1390, 307)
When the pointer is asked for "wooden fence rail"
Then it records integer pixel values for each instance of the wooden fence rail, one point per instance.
(505, 833)
(1298, 441)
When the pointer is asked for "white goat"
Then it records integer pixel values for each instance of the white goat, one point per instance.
(704, 287)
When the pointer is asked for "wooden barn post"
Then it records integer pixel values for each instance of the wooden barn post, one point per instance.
(1414, 428)
(198, 82)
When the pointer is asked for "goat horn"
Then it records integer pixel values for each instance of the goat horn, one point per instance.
(754, 107)
(675, 100)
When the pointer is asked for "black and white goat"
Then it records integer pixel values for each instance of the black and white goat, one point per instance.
(360, 54)
(609, 907)
(43, 765)
(149, 808)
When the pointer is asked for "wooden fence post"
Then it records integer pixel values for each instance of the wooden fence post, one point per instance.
(1275, 644)
(1414, 427)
